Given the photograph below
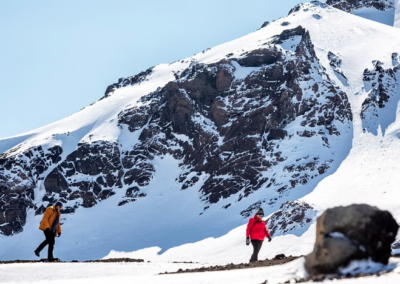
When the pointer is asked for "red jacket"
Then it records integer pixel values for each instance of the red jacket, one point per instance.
(258, 231)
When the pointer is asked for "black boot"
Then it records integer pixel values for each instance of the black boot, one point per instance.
(37, 252)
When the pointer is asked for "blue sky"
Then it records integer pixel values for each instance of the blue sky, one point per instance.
(57, 57)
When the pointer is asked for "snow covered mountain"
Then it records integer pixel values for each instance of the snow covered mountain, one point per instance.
(296, 117)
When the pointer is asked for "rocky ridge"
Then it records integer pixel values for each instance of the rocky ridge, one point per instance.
(382, 85)
(351, 5)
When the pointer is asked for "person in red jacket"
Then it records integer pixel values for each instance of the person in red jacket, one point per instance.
(256, 232)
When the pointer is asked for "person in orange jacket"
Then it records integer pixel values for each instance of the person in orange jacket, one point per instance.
(256, 232)
(50, 225)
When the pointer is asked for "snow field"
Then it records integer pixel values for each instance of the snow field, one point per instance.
(141, 273)
(148, 273)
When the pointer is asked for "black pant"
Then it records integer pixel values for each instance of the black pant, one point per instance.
(50, 240)
(256, 246)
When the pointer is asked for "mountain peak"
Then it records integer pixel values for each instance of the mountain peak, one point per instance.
(306, 5)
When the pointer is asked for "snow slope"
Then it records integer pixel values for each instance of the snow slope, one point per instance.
(166, 219)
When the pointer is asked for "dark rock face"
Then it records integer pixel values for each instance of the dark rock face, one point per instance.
(233, 125)
(266, 23)
(351, 233)
(351, 5)
(382, 86)
(293, 215)
(89, 174)
(18, 177)
(245, 118)
(13, 210)
(336, 64)
(380, 93)
(295, 9)
(56, 182)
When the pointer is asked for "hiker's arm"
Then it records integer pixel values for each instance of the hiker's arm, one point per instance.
(249, 225)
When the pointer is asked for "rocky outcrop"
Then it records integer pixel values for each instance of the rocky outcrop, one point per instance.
(351, 5)
(19, 176)
(233, 127)
(336, 63)
(351, 233)
(293, 216)
(128, 81)
(88, 175)
(382, 85)
(266, 23)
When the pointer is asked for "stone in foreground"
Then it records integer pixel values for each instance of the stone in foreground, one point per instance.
(354, 232)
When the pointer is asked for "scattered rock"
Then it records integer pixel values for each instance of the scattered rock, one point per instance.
(279, 256)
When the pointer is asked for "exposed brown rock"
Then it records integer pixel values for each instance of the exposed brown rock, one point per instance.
(351, 233)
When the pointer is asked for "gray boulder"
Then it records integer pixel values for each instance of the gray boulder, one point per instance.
(354, 232)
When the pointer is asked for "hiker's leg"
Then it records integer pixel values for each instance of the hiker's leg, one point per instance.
(44, 243)
(257, 250)
(51, 245)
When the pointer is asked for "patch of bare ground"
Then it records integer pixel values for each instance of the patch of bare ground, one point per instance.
(277, 260)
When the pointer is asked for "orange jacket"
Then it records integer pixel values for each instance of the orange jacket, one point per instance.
(49, 216)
